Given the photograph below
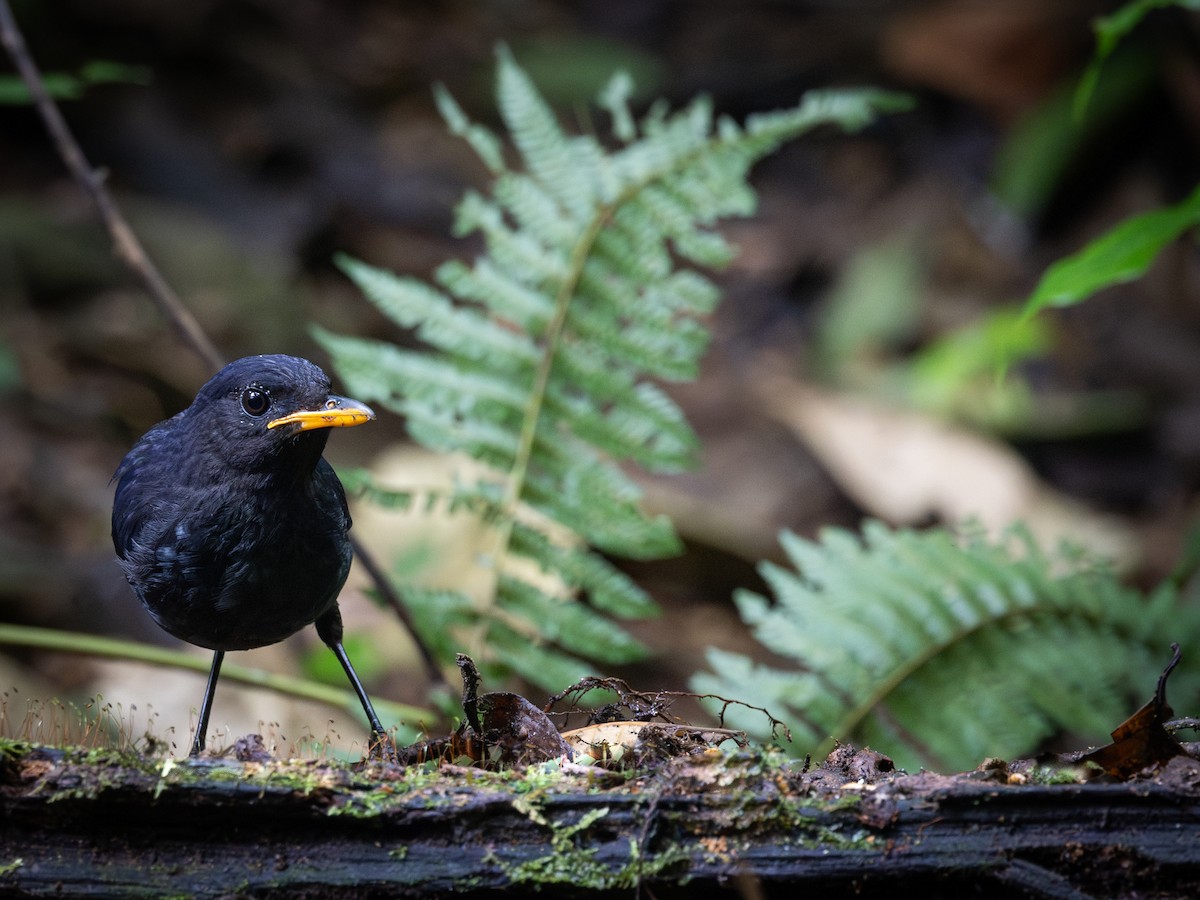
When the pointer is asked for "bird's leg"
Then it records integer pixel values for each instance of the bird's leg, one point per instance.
(329, 629)
(380, 742)
(206, 703)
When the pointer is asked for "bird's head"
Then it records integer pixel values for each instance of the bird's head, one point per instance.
(259, 411)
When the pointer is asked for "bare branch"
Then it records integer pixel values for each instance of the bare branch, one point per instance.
(125, 243)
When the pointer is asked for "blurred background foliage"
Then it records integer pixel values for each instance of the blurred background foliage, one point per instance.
(874, 293)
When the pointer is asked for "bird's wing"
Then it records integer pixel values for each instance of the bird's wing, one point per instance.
(141, 477)
(130, 506)
(329, 486)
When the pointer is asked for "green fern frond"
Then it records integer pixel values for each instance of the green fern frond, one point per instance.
(608, 589)
(941, 650)
(543, 353)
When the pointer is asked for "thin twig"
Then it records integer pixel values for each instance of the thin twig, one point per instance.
(130, 251)
(383, 584)
(128, 248)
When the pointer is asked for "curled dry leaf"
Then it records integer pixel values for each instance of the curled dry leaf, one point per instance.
(1142, 742)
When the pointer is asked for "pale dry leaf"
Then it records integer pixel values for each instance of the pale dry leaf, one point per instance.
(908, 468)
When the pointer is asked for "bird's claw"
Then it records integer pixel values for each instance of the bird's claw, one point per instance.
(382, 748)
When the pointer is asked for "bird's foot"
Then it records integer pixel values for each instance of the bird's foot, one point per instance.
(382, 748)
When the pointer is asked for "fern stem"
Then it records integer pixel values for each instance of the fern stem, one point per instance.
(515, 486)
(557, 326)
(554, 333)
(553, 338)
(541, 383)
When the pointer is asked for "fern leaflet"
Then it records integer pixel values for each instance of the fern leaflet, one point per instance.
(941, 651)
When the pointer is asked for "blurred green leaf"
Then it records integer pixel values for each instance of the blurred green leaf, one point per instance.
(1110, 30)
(1041, 147)
(874, 304)
(1121, 255)
(61, 87)
(106, 71)
(65, 86)
(955, 375)
(975, 349)
(322, 666)
(573, 70)
(10, 372)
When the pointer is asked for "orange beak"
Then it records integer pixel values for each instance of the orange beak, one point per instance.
(337, 412)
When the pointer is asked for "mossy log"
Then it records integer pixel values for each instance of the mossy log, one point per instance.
(103, 824)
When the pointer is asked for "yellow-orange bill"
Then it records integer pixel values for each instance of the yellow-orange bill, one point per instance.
(338, 412)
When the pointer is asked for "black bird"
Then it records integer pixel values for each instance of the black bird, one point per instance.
(228, 523)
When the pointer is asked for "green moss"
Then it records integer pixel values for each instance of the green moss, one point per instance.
(11, 866)
(365, 804)
(1058, 774)
(570, 862)
(11, 748)
(378, 797)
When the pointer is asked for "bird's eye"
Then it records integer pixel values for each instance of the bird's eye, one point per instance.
(255, 401)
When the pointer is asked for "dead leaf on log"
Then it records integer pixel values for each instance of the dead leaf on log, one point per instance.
(848, 766)
(637, 744)
(499, 728)
(251, 748)
(505, 729)
(1142, 741)
(517, 732)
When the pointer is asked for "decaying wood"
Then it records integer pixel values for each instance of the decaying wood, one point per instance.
(107, 826)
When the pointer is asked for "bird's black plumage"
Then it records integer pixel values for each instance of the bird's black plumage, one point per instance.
(229, 525)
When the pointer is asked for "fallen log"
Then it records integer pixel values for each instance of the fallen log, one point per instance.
(103, 824)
